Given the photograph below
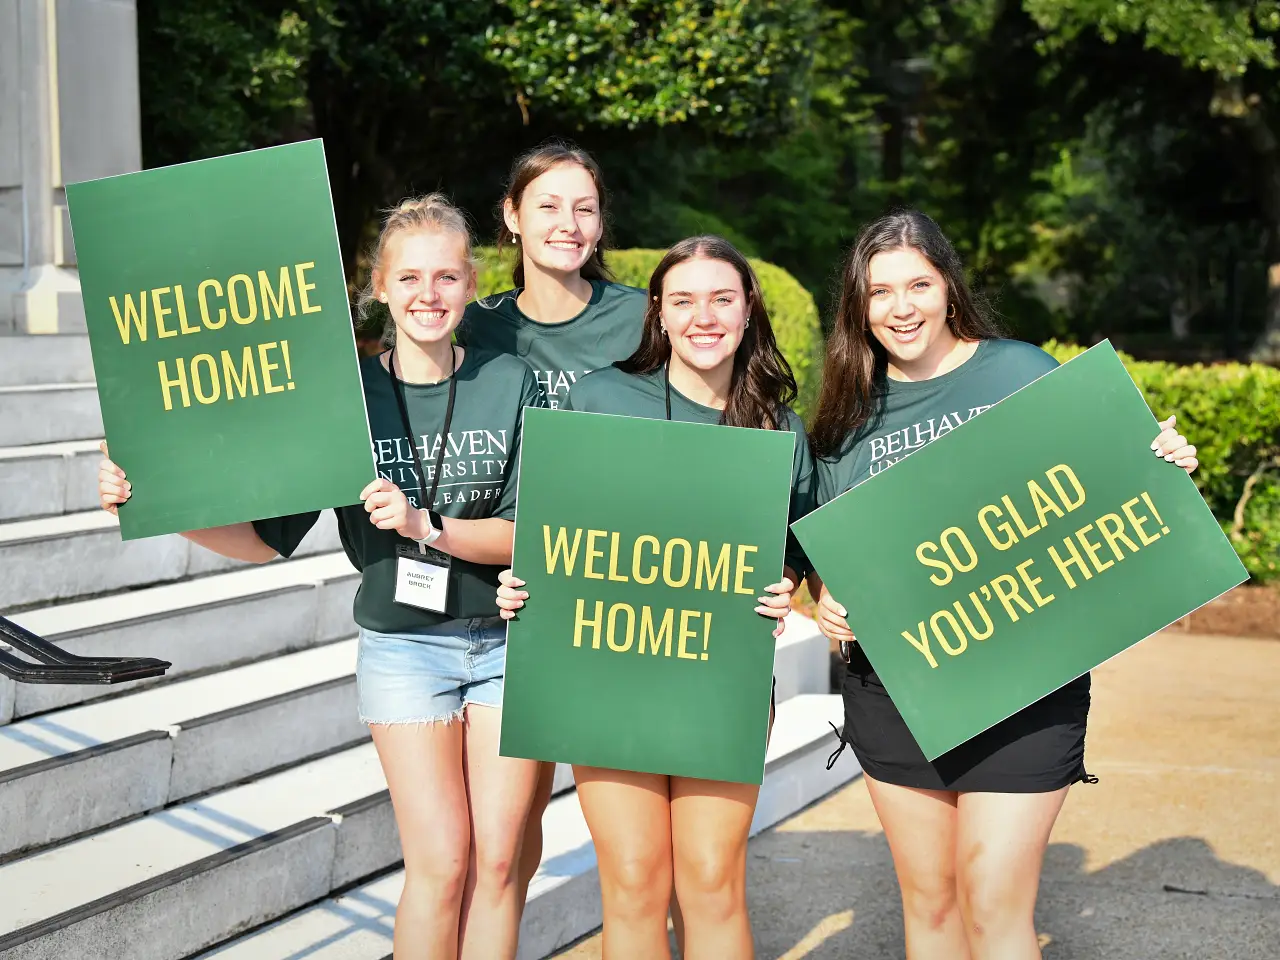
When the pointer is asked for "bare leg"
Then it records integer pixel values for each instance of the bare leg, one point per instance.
(501, 791)
(920, 826)
(710, 821)
(423, 766)
(629, 815)
(531, 846)
(1000, 850)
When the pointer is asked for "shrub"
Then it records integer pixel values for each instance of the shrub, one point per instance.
(1231, 412)
(791, 308)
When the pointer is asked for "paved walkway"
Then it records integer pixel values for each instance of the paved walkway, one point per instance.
(1174, 854)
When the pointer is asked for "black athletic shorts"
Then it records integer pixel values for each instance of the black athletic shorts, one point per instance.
(1037, 750)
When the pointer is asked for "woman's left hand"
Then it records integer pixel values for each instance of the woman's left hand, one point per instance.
(1173, 446)
(389, 509)
(777, 603)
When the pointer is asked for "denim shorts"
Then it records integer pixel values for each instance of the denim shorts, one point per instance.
(430, 676)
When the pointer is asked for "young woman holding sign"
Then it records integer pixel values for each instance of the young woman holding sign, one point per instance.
(707, 355)
(564, 316)
(914, 352)
(430, 537)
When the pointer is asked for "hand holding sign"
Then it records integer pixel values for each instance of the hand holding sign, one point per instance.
(224, 356)
(776, 604)
(1173, 446)
(644, 646)
(1046, 552)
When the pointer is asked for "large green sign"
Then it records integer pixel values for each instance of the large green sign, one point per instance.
(1019, 551)
(645, 545)
(222, 340)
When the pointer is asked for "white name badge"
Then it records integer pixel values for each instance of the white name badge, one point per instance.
(422, 578)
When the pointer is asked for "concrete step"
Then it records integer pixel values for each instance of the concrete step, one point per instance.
(178, 881)
(81, 554)
(48, 479)
(564, 897)
(801, 659)
(213, 622)
(49, 413)
(27, 359)
(69, 772)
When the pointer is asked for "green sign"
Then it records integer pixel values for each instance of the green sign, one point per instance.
(645, 545)
(222, 339)
(1019, 551)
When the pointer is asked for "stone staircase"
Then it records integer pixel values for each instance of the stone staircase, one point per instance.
(234, 808)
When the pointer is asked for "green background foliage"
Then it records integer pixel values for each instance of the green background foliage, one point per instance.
(1231, 412)
(1106, 169)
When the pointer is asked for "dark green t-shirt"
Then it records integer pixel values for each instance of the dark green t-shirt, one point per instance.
(477, 480)
(913, 413)
(609, 390)
(607, 329)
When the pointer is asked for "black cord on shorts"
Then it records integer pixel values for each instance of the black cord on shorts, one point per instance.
(831, 760)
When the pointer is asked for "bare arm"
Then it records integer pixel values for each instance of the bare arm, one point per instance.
(485, 541)
(239, 541)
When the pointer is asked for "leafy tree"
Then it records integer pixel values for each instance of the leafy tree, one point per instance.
(1231, 44)
(420, 94)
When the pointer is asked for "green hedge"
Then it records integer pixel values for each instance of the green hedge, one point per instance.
(1231, 412)
(791, 308)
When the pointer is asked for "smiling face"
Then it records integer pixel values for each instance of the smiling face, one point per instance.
(704, 310)
(907, 308)
(558, 218)
(426, 280)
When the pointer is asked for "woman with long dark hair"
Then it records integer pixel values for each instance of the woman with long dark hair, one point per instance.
(707, 355)
(913, 353)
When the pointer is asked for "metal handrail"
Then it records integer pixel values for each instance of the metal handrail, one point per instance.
(52, 664)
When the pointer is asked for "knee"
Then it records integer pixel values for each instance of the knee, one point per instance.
(640, 881)
(438, 875)
(711, 886)
(496, 868)
(990, 905)
(932, 900)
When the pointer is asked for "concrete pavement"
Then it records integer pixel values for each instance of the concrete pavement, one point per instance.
(1173, 855)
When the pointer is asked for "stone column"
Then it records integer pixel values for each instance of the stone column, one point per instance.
(68, 112)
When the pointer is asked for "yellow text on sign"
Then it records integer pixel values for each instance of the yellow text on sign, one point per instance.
(164, 311)
(644, 559)
(621, 626)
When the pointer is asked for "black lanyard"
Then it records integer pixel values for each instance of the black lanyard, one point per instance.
(666, 380)
(398, 390)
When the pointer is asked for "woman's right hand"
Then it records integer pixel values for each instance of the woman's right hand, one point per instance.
(831, 618)
(510, 597)
(113, 488)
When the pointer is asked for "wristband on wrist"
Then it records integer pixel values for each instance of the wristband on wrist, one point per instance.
(435, 527)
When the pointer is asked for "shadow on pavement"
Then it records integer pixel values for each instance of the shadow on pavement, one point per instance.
(833, 896)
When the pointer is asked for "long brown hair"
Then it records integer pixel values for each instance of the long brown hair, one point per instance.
(527, 168)
(854, 370)
(762, 383)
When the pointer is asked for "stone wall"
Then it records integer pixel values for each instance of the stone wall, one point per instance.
(69, 111)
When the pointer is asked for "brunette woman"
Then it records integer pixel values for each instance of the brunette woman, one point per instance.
(707, 355)
(913, 349)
